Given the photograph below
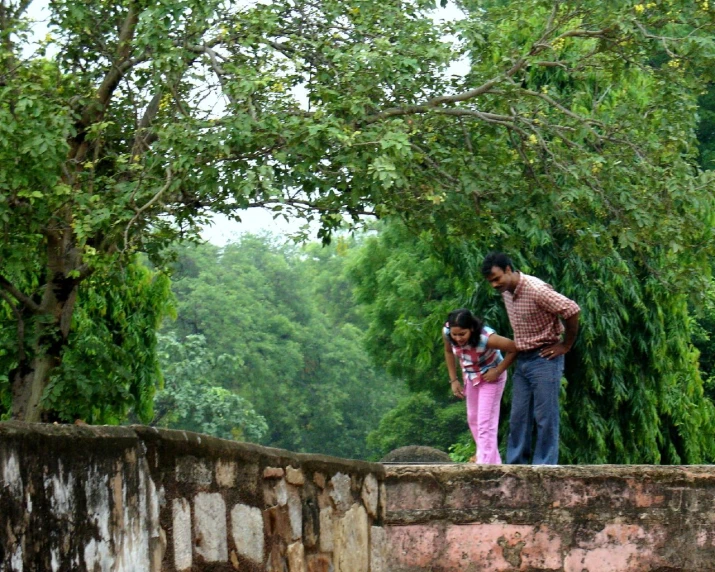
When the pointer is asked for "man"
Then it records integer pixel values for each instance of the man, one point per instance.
(534, 309)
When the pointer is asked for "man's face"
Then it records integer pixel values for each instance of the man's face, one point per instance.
(500, 279)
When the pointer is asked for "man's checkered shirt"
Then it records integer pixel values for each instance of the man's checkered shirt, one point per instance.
(534, 309)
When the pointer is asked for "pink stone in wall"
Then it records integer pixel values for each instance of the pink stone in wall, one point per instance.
(502, 547)
(645, 498)
(617, 548)
(414, 546)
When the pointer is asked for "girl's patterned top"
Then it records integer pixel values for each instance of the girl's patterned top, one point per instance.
(475, 360)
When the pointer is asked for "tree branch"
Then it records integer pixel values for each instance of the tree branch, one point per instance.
(96, 108)
(432, 163)
(25, 300)
(141, 137)
(306, 205)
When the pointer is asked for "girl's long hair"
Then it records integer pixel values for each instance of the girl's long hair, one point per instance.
(463, 318)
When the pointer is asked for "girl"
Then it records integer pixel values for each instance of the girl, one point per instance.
(484, 374)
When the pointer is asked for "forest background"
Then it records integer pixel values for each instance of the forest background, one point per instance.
(580, 140)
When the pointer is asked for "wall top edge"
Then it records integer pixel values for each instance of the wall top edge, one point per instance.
(180, 442)
(561, 471)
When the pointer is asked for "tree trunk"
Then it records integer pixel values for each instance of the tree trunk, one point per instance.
(28, 386)
(52, 328)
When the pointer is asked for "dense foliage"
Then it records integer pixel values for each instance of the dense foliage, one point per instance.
(194, 397)
(633, 392)
(110, 366)
(131, 119)
(274, 328)
(570, 142)
(594, 188)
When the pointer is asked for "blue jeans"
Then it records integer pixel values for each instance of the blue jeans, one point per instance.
(535, 398)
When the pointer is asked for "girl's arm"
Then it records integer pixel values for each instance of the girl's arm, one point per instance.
(506, 345)
(450, 360)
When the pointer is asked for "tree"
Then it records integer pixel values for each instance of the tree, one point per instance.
(110, 366)
(294, 340)
(632, 391)
(135, 117)
(193, 398)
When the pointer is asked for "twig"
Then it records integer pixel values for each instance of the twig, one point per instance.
(150, 202)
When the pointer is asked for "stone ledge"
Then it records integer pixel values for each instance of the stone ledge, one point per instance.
(598, 518)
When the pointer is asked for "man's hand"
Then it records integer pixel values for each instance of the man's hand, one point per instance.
(550, 352)
(457, 389)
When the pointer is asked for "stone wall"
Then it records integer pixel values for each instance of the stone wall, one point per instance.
(572, 518)
(138, 499)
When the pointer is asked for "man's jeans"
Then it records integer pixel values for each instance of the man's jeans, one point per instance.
(535, 397)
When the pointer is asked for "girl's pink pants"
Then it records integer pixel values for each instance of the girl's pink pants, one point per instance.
(483, 417)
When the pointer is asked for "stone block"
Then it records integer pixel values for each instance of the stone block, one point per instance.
(276, 561)
(295, 476)
(324, 499)
(296, 557)
(340, 491)
(273, 473)
(326, 529)
(295, 513)
(383, 502)
(248, 533)
(181, 531)
(378, 549)
(281, 491)
(351, 543)
(226, 473)
(311, 523)
(157, 549)
(319, 479)
(210, 521)
(370, 495)
(12, 480)
(269, 494)
(189, 469)
(319, 563)
(277, 522)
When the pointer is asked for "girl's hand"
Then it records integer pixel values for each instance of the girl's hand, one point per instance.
(457, 389)
(491, 375)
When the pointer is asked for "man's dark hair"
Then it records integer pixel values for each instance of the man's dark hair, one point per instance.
(498, 259)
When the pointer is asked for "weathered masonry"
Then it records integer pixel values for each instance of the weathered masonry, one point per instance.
(135, 499)
(605, 518)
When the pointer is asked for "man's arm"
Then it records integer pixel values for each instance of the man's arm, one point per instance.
(570, 331)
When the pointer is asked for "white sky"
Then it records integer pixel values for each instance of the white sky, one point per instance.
(253, 221)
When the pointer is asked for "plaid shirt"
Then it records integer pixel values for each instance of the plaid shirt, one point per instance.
(534, 309)
(475, 360)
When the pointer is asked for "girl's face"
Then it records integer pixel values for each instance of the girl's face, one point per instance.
(460, 335)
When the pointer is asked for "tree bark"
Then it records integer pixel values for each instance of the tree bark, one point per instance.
(52, 325)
